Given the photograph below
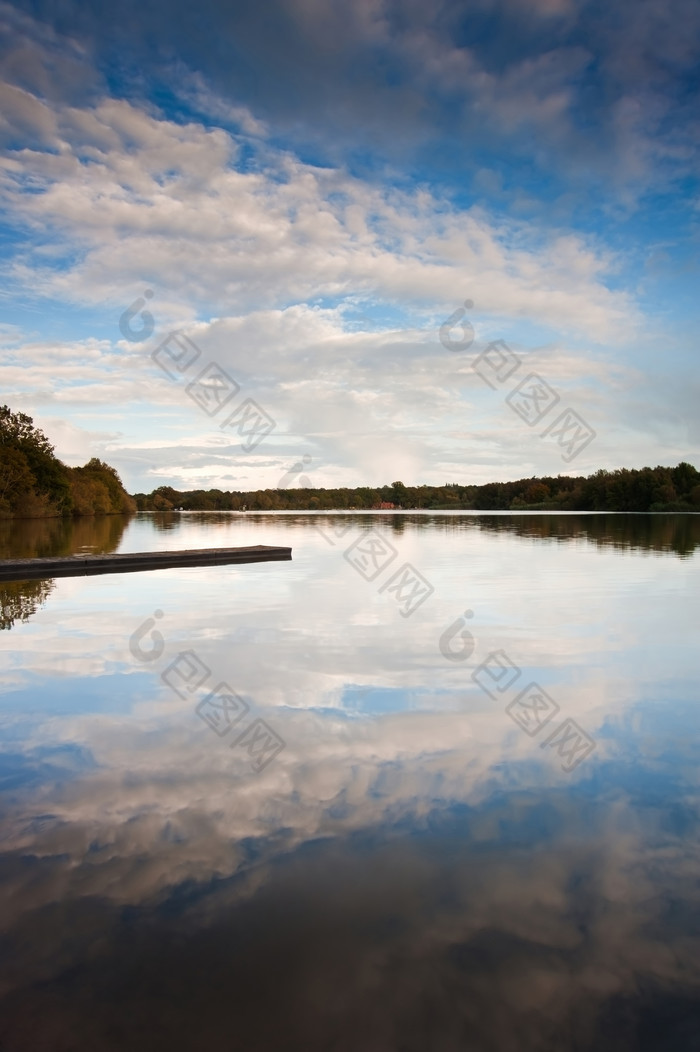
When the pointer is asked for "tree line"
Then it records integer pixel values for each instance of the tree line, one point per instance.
(642, 489)
(34, 483)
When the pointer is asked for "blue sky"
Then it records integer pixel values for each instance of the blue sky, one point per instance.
(309, 189)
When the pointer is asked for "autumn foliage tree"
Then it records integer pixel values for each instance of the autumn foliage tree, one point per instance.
(35, 483)
(97, 490)
(32, 480)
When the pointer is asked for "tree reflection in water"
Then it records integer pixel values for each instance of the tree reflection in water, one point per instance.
(44, 538)
(670, 534)
(20, 599)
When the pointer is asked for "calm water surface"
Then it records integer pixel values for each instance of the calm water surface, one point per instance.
(328, 804)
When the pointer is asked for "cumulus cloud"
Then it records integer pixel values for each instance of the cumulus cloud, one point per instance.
(319, 289)
(145, 200)
(134, 808)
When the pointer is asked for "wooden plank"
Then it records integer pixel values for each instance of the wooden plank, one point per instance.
(131, 562)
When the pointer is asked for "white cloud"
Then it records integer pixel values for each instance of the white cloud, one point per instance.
(142, 199)
(115, 199)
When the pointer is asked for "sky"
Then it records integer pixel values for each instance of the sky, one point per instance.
(438, 243)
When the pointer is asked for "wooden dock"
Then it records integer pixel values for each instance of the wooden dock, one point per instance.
(131, 562)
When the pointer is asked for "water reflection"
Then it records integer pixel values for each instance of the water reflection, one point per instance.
(36, 538)
(20, 599)
(657, 533)
(43, 538)
(416, 902)
(412, 871)
(165, 521)
(677, 534)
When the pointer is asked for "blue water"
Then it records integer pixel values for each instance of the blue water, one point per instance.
(433, 784)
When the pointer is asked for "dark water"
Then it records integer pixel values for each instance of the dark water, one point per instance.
(433, 785)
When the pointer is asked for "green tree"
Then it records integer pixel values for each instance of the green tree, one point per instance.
(17, 429)
(51, 480)
(16, 479)
(399, 494)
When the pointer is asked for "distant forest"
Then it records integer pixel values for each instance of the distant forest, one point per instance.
(645, 489)
(34, 483)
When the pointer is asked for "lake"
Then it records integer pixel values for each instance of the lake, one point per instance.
(431, 785)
